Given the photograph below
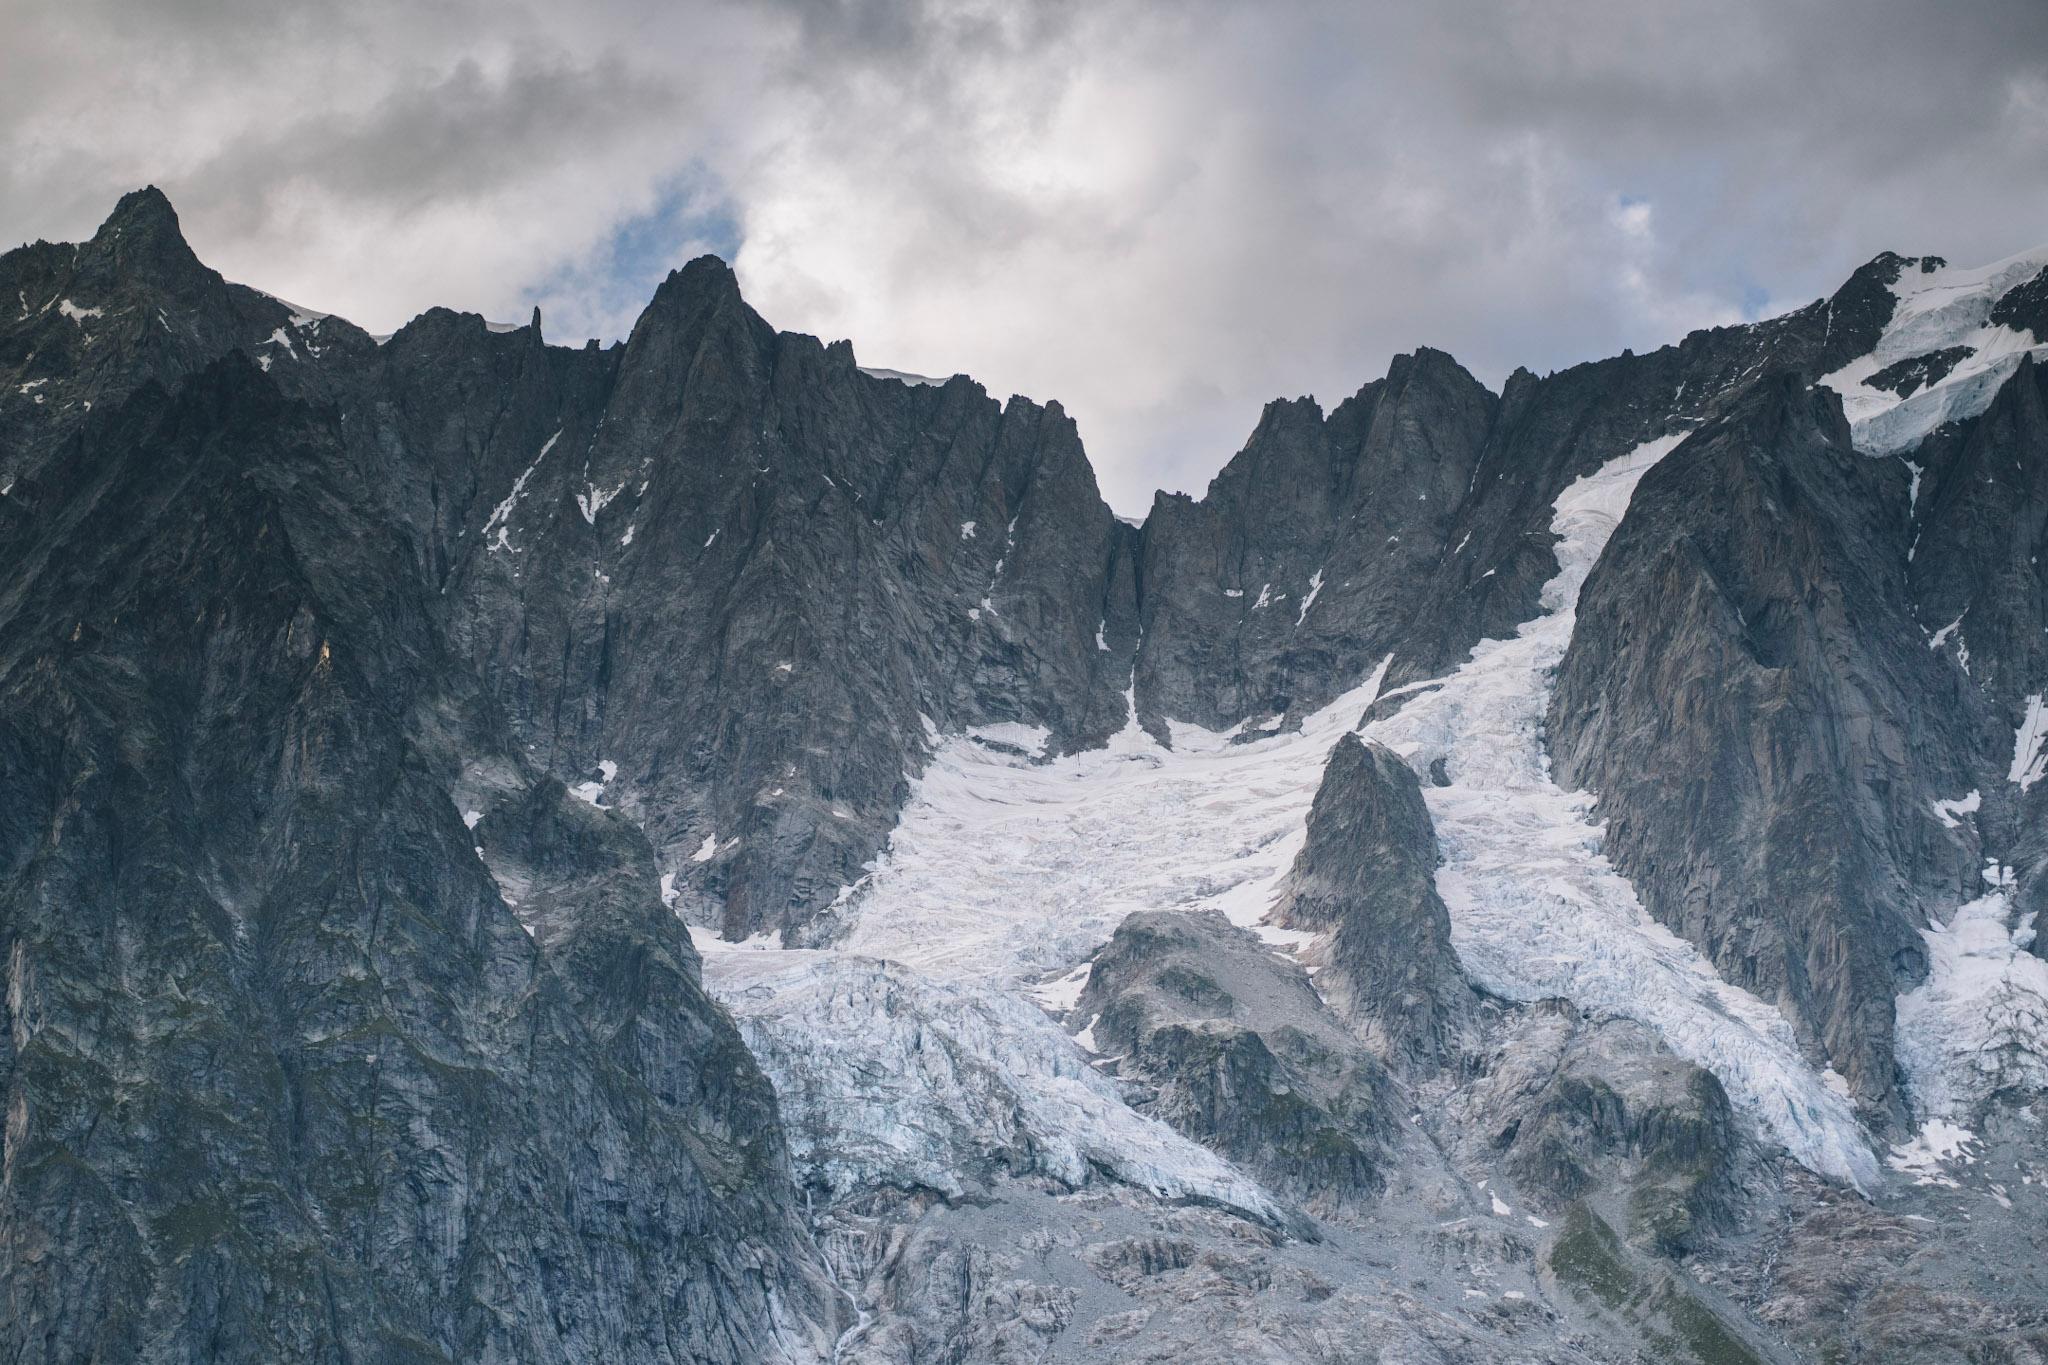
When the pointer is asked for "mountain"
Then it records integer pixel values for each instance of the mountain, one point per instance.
(698, 850)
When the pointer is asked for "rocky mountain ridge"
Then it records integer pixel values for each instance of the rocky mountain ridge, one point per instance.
(696, 850)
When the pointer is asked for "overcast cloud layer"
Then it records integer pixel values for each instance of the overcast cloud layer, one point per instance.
(1161, 214)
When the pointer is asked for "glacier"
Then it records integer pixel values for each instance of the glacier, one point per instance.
(1537, 910)
(1979, 1023)
(1005, 874)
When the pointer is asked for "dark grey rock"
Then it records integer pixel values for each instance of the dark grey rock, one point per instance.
(1979, 526)
(1907, 377)
(99, 319)
(1366, 878)
(1552, 430)
(2024, 308)
(781, 565)
(1234, 1048)
(1579, 1107)
(1294, 575)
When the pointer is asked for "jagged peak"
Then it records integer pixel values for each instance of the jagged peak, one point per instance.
(702, 294)
(141, 239)
(704, 280)
(145, 210)
(1428, 360)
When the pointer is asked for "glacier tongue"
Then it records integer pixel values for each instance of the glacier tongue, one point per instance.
(1979, 1022)
(1536, 908)
(886, 1076)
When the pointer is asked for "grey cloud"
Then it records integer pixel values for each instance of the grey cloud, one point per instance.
(1160, 213)
(441, 135)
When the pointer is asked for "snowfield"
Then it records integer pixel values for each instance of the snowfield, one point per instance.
(1006, 871)
(1938, 309)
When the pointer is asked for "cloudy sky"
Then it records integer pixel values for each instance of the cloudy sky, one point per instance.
(1161, 213)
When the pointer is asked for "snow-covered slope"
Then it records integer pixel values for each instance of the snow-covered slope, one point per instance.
(1003, 877)
(1941, 312)
(1005, 871)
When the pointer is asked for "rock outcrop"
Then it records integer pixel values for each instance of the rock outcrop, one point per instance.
(1365, 881)
(1234, 1048)
(285, 1076)
(1297, 571)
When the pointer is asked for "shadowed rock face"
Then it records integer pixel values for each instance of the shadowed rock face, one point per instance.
(1234, 1048)
(1980, 524)
(1294, 575)
(1979, 519)
(1750, 695)
(1366, 877)
(160, 315)
(286, 1079)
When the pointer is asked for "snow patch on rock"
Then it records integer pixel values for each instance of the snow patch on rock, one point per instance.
(1946, 811)
(2028, 761)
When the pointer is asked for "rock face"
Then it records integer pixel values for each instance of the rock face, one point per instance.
(1235, 1049)
(781, 565)
(1296, 573)
(1366, 880)
(1979, 522)
(1577, 1106)
(286, 1078)
(99, 319)
(375, 715)
(1750, 695)
(1551, 430)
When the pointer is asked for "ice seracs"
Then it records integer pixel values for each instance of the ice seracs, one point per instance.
(1979, 1023)
(888, 1076)
(1945, 309)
